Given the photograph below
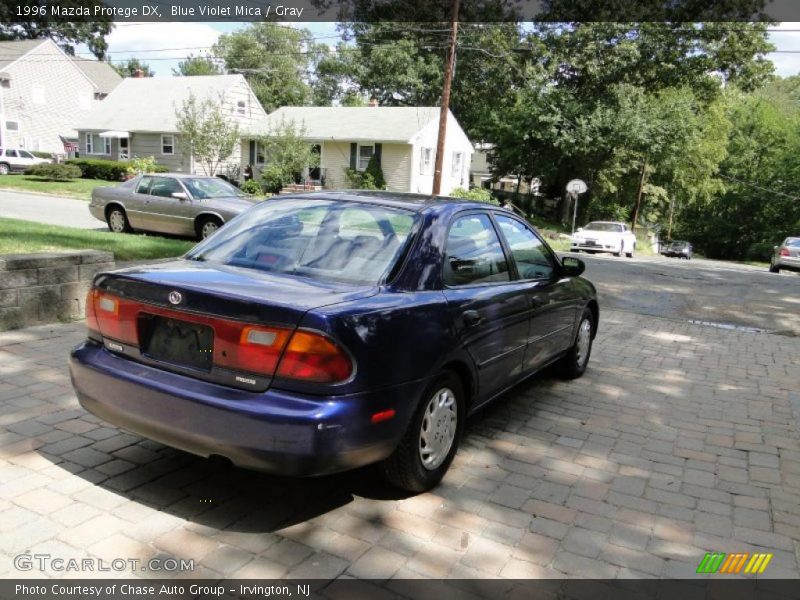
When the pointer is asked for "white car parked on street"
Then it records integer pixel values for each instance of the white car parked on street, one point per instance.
(604, 236)
(16, 159)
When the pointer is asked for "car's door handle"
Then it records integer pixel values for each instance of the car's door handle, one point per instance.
(472, 318)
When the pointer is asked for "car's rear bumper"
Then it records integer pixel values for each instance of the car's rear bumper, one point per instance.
(274, 431)
(788, 262)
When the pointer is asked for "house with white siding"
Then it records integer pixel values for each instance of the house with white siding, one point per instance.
(44, 93)
(403, 138)
(139, 119)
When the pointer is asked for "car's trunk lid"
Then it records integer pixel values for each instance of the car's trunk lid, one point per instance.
(189, 316)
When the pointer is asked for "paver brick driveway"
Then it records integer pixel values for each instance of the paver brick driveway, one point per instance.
(679, 440)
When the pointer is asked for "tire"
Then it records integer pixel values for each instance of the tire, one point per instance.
(773, 268)
(630, 254)
(118, 221)
(621, 248)
(207, 226)
(405, 469)
(4, 169)
(573, 364)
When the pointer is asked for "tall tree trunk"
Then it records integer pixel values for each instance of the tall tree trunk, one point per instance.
(639, 195)
(671, 212)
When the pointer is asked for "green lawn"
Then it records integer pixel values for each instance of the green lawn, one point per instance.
(26, 236)
(76, 188)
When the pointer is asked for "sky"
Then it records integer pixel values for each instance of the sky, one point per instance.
(162, 45)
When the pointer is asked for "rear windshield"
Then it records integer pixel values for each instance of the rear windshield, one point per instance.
(594, 226)
(793, 242)
(319, 239)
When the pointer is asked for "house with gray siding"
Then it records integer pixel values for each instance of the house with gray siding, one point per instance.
(138, 119)
(402, 138)
(44, 93)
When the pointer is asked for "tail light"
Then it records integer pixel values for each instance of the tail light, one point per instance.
(784, 252)
(264, 350)
(316, 358)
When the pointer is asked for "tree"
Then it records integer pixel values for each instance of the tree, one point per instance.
(197, 65)
(206, 132)
(129, 68)
(277, 61)
(67, 34)
(286, 154)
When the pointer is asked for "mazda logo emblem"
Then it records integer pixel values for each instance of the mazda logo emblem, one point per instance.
(175, 297)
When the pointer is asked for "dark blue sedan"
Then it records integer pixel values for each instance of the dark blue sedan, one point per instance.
(322, 332)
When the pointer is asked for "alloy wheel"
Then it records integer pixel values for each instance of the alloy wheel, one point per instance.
(583, 342)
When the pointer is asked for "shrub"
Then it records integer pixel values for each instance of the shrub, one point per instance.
(375, 172)
(760, 251)
(144, 164)
(40, 154)
(476, 194)
(252, 187)
(110, 170)
(92, 168)
(54, 171)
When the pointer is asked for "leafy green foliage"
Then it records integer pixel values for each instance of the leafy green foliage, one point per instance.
(67, 34)
(287, 154)
(476, 194)
(144, 164)
(197, 65)
(206, 131)
(54, 171)
(278, 62)
(130, 67)
(93, 168)
(251, 186)
(375, 172)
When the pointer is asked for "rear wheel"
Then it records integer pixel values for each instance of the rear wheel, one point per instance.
(4, 169)
(573, 364)
(118, 221)
(424, 454)
(207, 227)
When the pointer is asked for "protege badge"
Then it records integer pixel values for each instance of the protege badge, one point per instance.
(245, 380)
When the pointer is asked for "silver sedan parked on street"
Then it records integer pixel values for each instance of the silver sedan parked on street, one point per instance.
(176, 203)
(786, 256)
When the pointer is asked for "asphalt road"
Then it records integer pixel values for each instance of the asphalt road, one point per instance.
(52, 210)
(712, 292)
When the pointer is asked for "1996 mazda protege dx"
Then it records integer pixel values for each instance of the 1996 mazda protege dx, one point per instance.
(322, 332)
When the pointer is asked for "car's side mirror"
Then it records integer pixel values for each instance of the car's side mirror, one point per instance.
(180, 195)
(571, 266)
(579, 229)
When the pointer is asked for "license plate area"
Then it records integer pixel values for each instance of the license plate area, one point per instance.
(177, 342)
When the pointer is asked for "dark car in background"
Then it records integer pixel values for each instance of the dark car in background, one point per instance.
(319, 333)
(786, 256)
(678, 249)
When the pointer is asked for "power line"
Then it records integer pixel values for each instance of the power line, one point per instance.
(758, 187)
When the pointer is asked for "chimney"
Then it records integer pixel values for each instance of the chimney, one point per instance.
(373, 101)
(138, 73)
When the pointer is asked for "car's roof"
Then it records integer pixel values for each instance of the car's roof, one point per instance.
(608, 222)
(408, 201)
(182, 175)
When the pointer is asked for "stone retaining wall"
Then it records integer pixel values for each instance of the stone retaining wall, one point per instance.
(47, 287)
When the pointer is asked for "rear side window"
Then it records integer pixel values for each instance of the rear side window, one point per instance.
(529, 252)
(324, 240)
(144, 185)
(474, 254)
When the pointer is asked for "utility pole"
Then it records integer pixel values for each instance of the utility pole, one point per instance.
(639, 195)
(448, 81)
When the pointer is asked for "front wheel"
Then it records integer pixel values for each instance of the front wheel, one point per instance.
(4, 169)
(573, 364)
(424, 454)
(621, 247)
(773, 268)
(630, 254)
